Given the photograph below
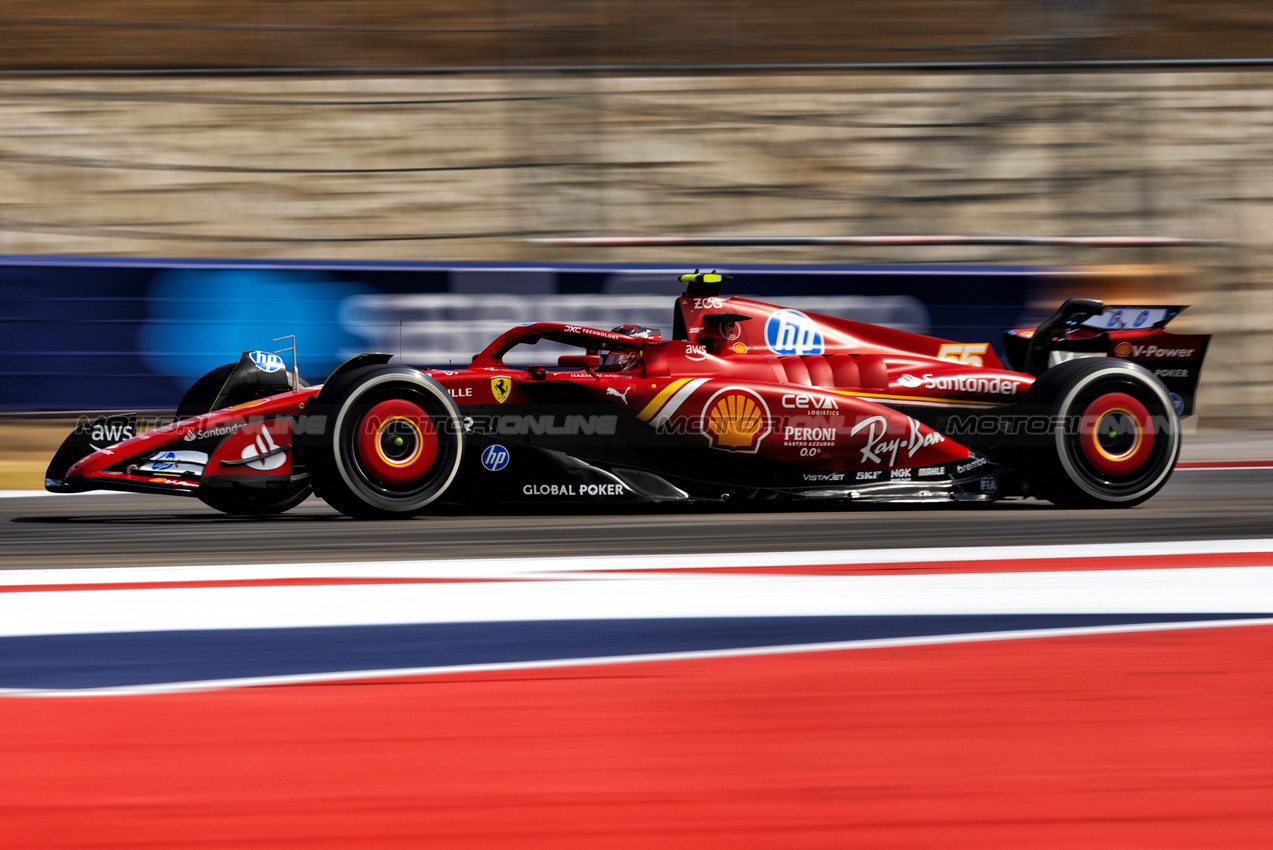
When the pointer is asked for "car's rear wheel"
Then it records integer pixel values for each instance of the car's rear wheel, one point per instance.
(1113, 437)
(391, 444)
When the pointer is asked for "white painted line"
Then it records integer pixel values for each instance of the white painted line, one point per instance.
(606, 566)
(1214, 590)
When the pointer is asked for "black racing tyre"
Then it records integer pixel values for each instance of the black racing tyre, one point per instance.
(1113, 438)
(390, 446)
(249, 501)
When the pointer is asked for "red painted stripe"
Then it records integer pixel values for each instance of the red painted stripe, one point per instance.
(262, 582)
(1224, 464)
(1134, 740)
(1020, 565)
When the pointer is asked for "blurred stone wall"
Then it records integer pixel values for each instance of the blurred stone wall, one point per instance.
(469, 168)
(401, 34)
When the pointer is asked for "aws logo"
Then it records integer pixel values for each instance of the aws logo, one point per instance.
(736, 419)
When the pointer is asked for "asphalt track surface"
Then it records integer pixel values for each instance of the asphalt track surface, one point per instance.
(1158, 738)
(133, 530)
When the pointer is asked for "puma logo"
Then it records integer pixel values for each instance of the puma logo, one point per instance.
(623, 396)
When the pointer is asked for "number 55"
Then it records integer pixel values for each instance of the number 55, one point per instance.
(960, 352)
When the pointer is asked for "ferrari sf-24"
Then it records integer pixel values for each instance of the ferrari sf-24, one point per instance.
(742, 401)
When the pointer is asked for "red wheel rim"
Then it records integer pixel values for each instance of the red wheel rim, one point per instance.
(397, 442)
(1116, 434)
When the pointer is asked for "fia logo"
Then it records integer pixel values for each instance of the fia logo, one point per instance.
(494, 458)
(501, 387)
(266, 361)
(792, 332)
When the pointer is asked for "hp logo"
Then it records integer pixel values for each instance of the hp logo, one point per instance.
(792, 332)
(494, 458)
(267, 361)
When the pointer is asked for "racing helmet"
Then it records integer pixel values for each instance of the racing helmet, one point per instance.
(620, 359)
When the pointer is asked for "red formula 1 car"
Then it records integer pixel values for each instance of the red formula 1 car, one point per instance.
(743, 401)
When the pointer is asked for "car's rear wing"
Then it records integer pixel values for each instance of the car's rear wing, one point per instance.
(1087, 328)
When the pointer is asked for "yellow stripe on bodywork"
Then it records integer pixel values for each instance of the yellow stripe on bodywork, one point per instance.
(661, 399)
(889, 397)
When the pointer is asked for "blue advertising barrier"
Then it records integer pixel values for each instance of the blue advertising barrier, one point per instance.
(108, 334)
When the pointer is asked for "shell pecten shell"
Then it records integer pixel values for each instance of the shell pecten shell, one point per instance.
(735, 420)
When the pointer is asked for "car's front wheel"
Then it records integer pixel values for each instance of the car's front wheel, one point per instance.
(390, 446)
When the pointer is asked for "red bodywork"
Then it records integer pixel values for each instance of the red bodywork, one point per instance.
(836, 398)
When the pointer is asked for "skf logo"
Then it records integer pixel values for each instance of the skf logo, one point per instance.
(969, 354)
(736, 419)
(501, 387)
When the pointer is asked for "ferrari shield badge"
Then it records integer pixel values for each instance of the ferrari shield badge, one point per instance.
(501, 387)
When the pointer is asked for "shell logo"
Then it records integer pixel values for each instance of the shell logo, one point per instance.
(1122, 349)
(736, 419)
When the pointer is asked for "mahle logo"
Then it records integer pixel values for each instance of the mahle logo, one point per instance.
(736, 419)
(792, 332)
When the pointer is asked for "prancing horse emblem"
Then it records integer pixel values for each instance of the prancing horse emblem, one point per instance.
(501, 387)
